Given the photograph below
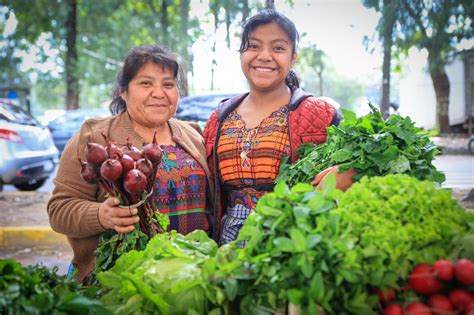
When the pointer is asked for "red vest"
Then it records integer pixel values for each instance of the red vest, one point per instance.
(308, 119)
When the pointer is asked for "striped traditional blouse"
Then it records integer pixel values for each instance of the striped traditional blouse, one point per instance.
(249, 161)
(180, 190)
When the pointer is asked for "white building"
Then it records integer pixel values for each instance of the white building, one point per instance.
(417, 95)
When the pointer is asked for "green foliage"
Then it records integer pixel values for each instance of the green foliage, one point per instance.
(165, 278)
(302, 248)
(371, 145)
(39, 290)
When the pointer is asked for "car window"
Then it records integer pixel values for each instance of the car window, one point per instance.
(12, 113)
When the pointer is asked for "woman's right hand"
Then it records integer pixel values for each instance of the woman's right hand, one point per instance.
(119, 219)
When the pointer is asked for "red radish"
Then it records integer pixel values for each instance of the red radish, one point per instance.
(114, 151)
(469, 310)
(460, 298)
(89, 172)
(96, 153)
(133, 152)
(393, 309)
(464, 271)
(134, 182)
(423, 281)
(440, 305)
(144, 166)
(444, 269)
(127, 163)
(152, 151)
(417, 308)
(386, 295)
(111, 169)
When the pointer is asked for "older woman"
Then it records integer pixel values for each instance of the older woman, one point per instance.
(145, 101)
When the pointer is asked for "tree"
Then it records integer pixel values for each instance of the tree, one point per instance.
(386, 27)
(311, 60)
(437, 26)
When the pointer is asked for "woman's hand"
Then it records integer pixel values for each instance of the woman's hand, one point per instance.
(119, 219)
(343, 180)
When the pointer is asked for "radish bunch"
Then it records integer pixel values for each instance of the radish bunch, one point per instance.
(128, 173)
(442, 288)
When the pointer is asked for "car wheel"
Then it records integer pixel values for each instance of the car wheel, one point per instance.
(471, 146)
(31, 185)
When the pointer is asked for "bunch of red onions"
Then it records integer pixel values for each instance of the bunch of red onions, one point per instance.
(128, 173)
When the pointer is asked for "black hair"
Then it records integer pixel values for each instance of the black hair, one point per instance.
(267, 16)
(136, 59)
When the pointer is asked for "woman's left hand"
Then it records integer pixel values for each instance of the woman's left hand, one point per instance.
(343, 180)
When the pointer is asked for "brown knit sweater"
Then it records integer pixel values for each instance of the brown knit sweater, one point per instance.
(74, 206)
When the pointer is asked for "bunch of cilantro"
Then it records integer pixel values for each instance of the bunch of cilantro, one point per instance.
(39, 290)
(305, 250)
(371, 145)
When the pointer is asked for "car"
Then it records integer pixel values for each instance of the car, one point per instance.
(28, 154)
(198, 108)
(65, 126)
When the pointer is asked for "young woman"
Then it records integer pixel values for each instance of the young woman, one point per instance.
(248, 135)
(145, 101)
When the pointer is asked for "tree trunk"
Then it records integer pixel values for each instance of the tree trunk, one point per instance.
(72, 80)
(321, 83)
(387, 57)
(245, 10)
(441, 87)
(164, 22)
(184, 12)
(270, 4)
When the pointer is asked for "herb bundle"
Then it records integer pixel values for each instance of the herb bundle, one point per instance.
(371, 145)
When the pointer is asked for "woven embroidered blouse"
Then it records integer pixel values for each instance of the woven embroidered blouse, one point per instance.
(180, 191)
(249, 161)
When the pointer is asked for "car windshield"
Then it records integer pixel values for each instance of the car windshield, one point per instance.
(12, 113)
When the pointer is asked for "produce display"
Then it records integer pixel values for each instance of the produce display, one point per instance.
(440, 288)
(39, 290)
(371, 145)
(394, 243)
(128, 173)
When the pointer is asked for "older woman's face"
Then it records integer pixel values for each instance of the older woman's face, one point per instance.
(152, 96)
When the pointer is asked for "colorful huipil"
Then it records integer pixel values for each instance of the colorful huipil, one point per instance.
(181, 189)
(249, 161)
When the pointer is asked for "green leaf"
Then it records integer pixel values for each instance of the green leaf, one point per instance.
(329, 184)
(298, 239)
(317, 287)
(284, 244)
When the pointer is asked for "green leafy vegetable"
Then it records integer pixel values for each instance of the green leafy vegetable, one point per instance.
(371, 145)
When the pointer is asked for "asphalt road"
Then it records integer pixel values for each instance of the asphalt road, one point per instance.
(459, 170)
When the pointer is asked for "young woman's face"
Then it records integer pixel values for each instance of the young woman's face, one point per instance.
(269, 57)
(152, 96)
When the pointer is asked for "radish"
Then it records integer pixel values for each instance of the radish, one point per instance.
(464, 271)
(440, 305)
(111, 169)
(386, 295)
(469, 310)
(444, 269)
(393, 309)
(423, 281)
(152, 151)
(89, 172)
(96, 153)
(417, 308)
(133, 152)
(134, 182)
(128, 162)
(460, 298)
(144, 166)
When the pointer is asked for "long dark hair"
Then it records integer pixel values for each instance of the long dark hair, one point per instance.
(267, 16)
(137, 58)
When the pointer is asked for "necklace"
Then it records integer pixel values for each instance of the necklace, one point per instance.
(247, 145)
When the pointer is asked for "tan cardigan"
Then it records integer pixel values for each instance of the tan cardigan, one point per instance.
(74, 206)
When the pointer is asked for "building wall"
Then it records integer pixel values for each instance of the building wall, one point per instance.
(417, 96)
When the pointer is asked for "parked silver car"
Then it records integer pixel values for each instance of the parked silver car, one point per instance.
(28, 154)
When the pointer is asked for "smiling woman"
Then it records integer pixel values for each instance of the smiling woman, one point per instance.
(144, 102)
